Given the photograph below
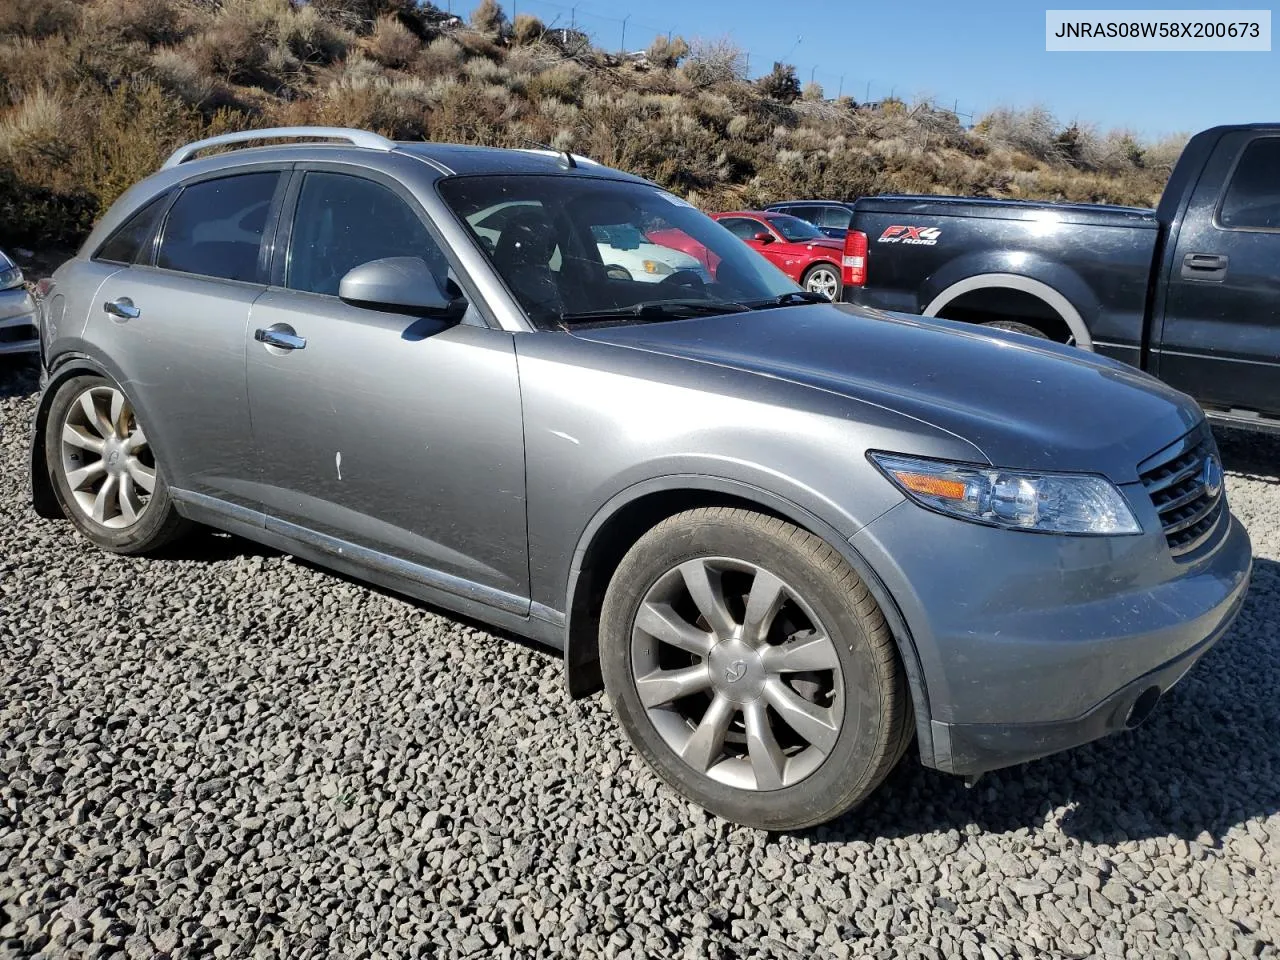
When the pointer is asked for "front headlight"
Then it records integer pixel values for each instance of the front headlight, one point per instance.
(1015, 499)
(11, 277)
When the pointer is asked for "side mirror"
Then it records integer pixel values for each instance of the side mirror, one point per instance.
(763, 236)
(400, 285)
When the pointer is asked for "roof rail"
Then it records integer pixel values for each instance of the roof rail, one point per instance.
(357, 138)
(561, 155)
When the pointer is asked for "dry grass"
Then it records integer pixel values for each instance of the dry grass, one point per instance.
(135, 78)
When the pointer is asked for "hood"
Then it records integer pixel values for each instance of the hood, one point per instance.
(1022, 403)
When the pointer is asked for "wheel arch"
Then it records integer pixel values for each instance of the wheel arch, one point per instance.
(615, 528)
(1051, 297)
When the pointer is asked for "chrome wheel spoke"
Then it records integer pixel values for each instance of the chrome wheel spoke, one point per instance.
(136, 440)
(76, 479)
(763, 602)
(78, 436)
(815, 724)
(142, 475)
(107, 495)
(663, 686)
(815, 652)
(117, 413)
(707, 741)
(130, 505)
(767, 759)
(704, 585)
(90, 408)
(660, 621)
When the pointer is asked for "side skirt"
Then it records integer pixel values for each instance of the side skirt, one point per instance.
(495, 607)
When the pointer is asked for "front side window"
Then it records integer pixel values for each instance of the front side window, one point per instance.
(795, 229)
(125, 245)
(215, 227)
(343, 221)
(579, 248)
(743, 228)
(1252, 200)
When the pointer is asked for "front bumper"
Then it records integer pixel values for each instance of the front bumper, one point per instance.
(19, 332)
(1031, 644)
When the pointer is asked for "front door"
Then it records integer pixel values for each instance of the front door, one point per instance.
(399, 434)
(1220, 340)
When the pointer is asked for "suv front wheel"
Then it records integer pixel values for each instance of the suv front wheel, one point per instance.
(103, 470)
(750, 666)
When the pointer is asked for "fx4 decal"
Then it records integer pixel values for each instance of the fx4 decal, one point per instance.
(921, 236)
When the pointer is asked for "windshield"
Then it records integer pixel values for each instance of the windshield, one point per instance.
(795, 229)
(574, 248)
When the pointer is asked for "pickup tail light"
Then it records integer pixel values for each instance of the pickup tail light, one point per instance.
(854, 263)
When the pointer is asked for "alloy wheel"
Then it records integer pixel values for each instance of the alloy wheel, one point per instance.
(106, 460)
(823, 280)
(737, 674)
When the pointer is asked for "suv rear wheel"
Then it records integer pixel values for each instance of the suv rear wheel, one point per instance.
(752, 669)
(103, 470)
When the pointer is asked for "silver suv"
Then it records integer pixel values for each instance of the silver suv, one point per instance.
(786, 536)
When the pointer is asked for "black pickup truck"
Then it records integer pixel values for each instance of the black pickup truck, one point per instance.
(1189, 292)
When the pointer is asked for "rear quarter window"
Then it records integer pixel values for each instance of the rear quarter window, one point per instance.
(127, 243)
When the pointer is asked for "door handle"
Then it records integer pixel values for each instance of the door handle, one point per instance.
(122, 308)
(280, 338)
(1204, 266)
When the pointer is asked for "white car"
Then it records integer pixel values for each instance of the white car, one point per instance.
(626, 252)
(17, 311)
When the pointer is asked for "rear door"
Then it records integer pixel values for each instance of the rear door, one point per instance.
(1220, 339)
(396, 433)
(174, 318)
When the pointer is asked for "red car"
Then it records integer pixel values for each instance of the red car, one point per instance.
(795, 246)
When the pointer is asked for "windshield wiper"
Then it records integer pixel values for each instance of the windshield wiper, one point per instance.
(789, 299)
(654, 310)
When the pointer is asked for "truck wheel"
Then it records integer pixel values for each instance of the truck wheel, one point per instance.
(103, 470)
(1017, 326)
(752, 669)
(822, 278)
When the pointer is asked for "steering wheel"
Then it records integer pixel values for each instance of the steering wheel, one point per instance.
(684, 279)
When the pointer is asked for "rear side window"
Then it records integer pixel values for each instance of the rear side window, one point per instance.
(343, 221)
(812, 214)
(215, 227)
(835, 217)
(126, 243)
(1252, 200)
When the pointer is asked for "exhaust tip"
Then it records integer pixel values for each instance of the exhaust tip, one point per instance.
(1142, 707)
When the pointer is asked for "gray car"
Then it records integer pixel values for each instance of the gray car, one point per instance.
(786, 536)
(17, 311)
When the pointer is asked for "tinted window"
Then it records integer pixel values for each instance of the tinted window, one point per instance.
(125, 244)
(344, 221)
(835, 217)
(215, 228)
(795, 229)
(742, 227)
(1253, 196)
(811, 214)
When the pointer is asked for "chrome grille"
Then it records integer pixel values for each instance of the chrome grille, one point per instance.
(1178, 480)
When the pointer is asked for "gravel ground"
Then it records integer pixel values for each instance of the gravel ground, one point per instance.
(230, 753)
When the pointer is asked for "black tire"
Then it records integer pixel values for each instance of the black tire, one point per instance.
(158, 525)
(835, 273)
(1017, 326)
(875, 729)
